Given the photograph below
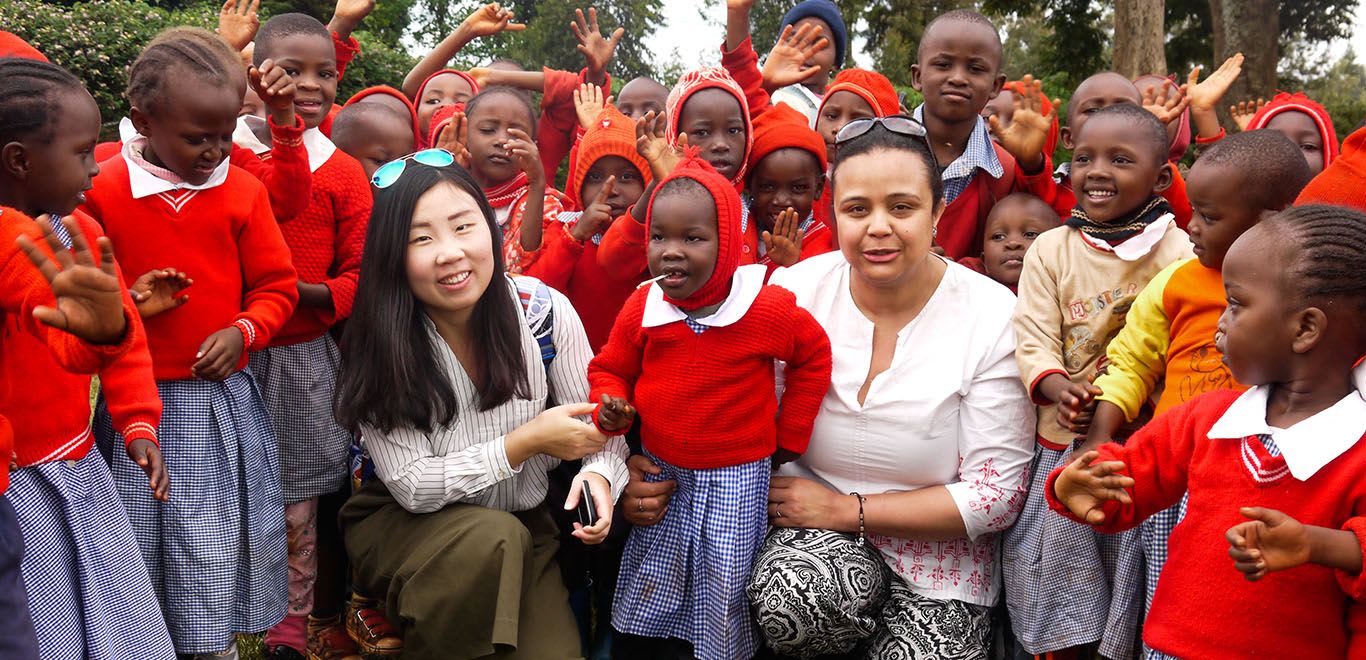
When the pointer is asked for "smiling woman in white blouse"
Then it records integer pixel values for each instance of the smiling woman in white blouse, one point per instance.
(443, 377)
(885, 539)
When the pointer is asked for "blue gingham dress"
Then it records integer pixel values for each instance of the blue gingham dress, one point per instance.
(87, 586)
(216, 553)
(685, 576)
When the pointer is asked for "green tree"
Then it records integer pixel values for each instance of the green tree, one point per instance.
(893, 29)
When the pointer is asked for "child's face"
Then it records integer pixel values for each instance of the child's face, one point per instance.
(885, 214)
(494, 116)
(1114, 171)
(640, 96)
(1221, 211)
(958, 70)
(1257, 330)
(450, 252)
(384, 137)
(1301, 130)
(445, 89)
(312, 62)
(1011, 229)
(252, 105)
(837, 110)
(1002, 108)
(825, 59)
(684, 241)
(1099, 91)
(786, 178)
(627, 189)
(714, 122)
(190, 133)
(59, 171)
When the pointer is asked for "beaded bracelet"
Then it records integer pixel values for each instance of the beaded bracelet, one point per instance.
(861, 536)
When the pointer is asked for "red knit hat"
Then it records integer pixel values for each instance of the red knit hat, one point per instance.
(385, 90)
(1344, 182)
(474, 86)
(871, 86)
(1051, 143)
(1298, 102)
(728, 212)
(781, 127)
(697, 80)
(13, 46)
(612, 134)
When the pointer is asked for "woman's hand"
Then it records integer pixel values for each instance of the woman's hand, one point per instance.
(555, 432)
(602, 502)
(646, 502)
(796, 502)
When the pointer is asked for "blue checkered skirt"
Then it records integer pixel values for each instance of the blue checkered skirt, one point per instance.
(1067, 584)
(216, 552)
(86, 584)
(296, 384)
(685, 577)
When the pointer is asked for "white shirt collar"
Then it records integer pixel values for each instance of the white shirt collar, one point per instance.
(126, 130)
(146, 184)
(1138, 246)
(245, 134)
(744, 288)
(1308, 445)
(319, 147)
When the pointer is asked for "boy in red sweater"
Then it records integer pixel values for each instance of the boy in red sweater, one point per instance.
(704, 306)
(373, 134)
(1294, 442)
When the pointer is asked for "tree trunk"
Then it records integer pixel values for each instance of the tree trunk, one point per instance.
(1140, 37)
(1250, 27)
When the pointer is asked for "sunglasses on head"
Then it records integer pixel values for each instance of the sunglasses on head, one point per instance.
(390, 172)
(899, 124)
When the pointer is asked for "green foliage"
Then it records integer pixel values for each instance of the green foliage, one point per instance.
(387, 24)
(379, 64)
(1337, 86)
(893, 29)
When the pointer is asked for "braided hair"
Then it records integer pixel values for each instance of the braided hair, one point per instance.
(177, 52)
(30, 94)
(1332, 240)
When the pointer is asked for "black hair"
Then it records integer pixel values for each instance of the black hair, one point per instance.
(388, 379)
(478, 99)
(30, 95)
(878, 138)
(815, 164)
(354, 117)
(1330, 241)
(962, 16)
(1272, 169)
(684, 186)
(178, 51)
(1148, 127)
(281, 27)
(1028, 199)
(1072, 100)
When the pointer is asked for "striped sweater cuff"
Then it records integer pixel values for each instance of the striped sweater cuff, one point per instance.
(140, 430)
(248, 333)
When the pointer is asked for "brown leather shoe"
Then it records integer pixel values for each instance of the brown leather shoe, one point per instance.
(327, 640)
(370, 629)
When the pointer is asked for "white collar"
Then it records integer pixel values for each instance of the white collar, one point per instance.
(744, 288)
(126, 130)
(1308, 445)
(146, 184)
(319, 147)
(1138, 246)
(245, 134)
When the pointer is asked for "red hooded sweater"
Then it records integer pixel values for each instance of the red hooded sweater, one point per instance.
(1298, 102)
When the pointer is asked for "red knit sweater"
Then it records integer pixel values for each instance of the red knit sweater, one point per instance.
(326, 242)
(1203, 607)
(706, 400)
(1059, 194)
(225, 238)
(22, 288)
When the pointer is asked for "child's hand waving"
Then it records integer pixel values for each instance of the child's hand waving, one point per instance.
(653, 146)
(238, 22)
(158, 291)
(219, 354)
(588, 104)
(490, 20)
(348, 15)
(783, 245)
(1028, 131)
(1206, 95)
(89, 298)
(1243, 112)
(523, 150)
(454, 137)
(597, 50)
(1166, 102)
(615, 415)
(147, 456)
(1084, 486)
(276, 89)
(602, 501)
(598, 214)
(787, 62)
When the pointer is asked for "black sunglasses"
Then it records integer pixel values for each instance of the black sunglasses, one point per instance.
(899, 124)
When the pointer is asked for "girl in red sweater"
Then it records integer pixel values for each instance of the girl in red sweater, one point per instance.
(1295, 442)
(82, 560)
(216, 551)
(683, 352)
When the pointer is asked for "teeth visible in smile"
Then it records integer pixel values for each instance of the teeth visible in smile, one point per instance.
(1100, 194)
(455, 279)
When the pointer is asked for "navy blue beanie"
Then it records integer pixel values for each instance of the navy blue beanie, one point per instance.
(828, 12)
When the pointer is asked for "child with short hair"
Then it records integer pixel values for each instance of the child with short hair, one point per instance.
(642, 95)
(1305, 122)
(1294, 442)
(704, 304)
(1066, 587)
(373, 134)
(1013, 225)
(394, 100)
(172, 199)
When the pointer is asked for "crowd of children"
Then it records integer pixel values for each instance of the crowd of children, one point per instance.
(1191, 335)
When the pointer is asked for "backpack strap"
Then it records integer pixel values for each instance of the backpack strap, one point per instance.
(539, 309)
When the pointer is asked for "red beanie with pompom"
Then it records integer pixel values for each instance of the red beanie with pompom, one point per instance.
(874, 88)
(612, 134)
(728, 244)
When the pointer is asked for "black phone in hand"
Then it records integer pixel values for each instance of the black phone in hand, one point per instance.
(588, 513)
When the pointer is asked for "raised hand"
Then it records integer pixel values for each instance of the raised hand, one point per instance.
(740, 4)
(489, 20)
(523, 150)
(89, 297)
(348, 15)
(652, 144)
(1206, 95)
(276, 89)
(147, 456)
(1027, 133)
(588, 103)
(783, 245)
(157, 291)
(615, 414)
(454, 137)
(1166, 101)
(597, 50)
(787, 62)
(238, 22)
(1084, 486)
(1243, 112)
(480, 75)
(597, 216)
(219, 354)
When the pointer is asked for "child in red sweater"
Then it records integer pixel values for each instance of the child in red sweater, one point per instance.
(298, 370)
(704, 306)
(93, 569)
(219, 566)
(1294, 442)
(786, 177)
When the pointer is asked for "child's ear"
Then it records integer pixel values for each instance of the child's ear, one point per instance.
(820, 186)
(1000, 84)
(1164, 179)
(14, 160)
(915, 78)
(1311, 327)
(139, 119)
(1065, 134)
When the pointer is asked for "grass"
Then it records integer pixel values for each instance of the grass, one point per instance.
(250, 647)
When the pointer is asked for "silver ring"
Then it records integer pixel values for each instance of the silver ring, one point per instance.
(640, 505)
(779, 507)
